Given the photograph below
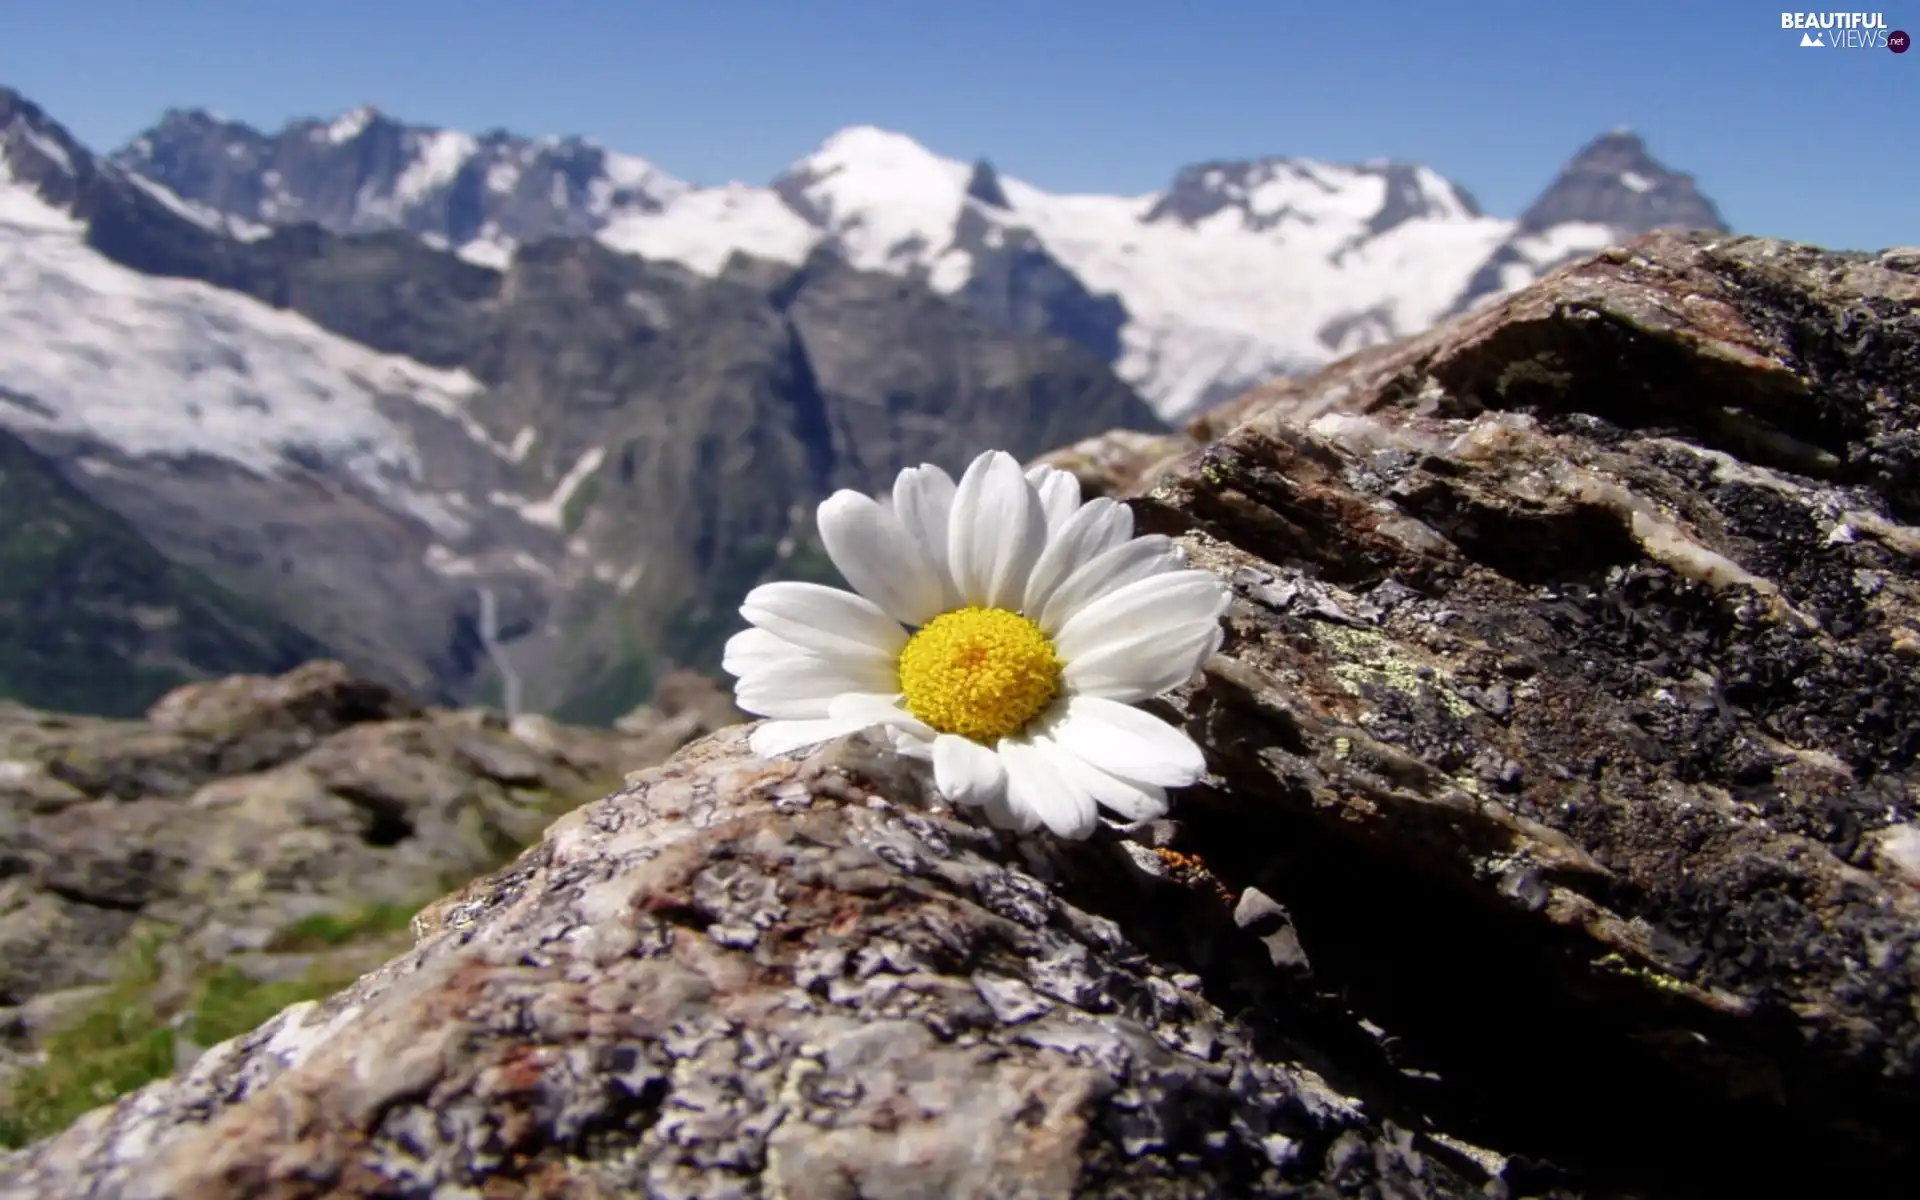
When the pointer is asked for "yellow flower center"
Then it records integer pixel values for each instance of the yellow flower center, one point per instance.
(981, 673)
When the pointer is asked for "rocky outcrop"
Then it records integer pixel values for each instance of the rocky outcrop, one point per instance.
(1559, 841)
(743, 978)
(242, 807)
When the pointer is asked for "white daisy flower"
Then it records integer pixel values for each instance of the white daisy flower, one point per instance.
(1001, 628)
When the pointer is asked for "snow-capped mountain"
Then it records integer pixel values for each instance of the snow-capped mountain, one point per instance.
(361, 435)
(364, 171)
(1235, 272)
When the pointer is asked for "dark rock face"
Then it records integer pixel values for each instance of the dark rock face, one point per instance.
(1595, 614)
(1613, 180)
(1017, 284)
(984, 185)
(93, 618)
(1561, 839)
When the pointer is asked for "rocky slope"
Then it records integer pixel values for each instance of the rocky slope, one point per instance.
(248, 824)
(1236, 271)
(369, 437)
(94, 619)
(1560, 840)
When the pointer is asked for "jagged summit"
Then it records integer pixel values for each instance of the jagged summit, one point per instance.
(364, 170)
(984, 186)
(1237, 270)
(1614, 180)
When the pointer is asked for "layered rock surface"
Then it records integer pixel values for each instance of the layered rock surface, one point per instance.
(1560, 841)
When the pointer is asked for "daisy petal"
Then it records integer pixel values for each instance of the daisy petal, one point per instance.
(1001, 814)
(1033, 786)
(1127, 742)
(1094, 528)
(923, 503)
(875, 554)
(1059, 493)
(805, 690)
(847, 713)
(754, 656)
(877, 708)
(1132, 801)
(1089, 532)
(996, 531)
(824, 620)
(906, 744)
(1148, 664)
(966, 772)
(770, 739)
(1112, 569)
(1163, 604)
(753, 649)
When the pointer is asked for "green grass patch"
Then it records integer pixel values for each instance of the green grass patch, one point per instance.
(323, 930)
(118, 1042)
(612, 692)
(126, 1037)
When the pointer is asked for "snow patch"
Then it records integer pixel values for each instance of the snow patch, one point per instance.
(1634, 181)
(438, 157)
(1569, 239)
(704, 227)
(205, 216)
(551, 512)
(522, 442)
(503, 176)
(626, 173)
(349, 125)
(444, 562)
(172, 368)
(21, 207)
(1220, 305)
(889, 201)
(490, 249)
(531, 565)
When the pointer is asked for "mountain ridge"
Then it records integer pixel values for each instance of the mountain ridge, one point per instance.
(371, 436)
(1237, 271)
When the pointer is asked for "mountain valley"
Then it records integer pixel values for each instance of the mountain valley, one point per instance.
(495, 418)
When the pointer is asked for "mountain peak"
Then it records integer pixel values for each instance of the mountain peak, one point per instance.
(869, 142)
(350, 124)
(881, 193)
(43, 170)
(1615, 181)
(984, 186)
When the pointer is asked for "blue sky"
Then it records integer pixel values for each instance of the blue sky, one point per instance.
(1818, 145)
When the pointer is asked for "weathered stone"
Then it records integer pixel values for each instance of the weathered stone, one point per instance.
(1558, 842)
(684, 992)
(1622, 746)
(246, 804)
